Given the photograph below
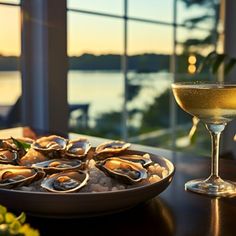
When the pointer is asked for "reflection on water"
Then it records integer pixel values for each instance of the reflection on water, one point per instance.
(103, 90)
(151, 218)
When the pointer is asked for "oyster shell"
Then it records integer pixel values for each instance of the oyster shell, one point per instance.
(78, 148)
(144, 160)
(65, 182)
(8, 156)
(126, 171)
(109, 149)
(32, 157)
(50, 143)
(12, 176)
(56, 165)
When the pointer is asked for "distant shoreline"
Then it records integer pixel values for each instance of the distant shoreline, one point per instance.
(148, 62)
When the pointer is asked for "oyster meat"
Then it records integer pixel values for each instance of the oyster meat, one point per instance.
(78, 148)
(50, 143)
(32, 157)
(125, 171)
(144, 160)
(109, 149)
(65, 182)
(56, 165)
(12, 176)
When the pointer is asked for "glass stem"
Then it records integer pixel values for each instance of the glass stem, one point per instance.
(215, 132)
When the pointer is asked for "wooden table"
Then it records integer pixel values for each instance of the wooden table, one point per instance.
(174, 212)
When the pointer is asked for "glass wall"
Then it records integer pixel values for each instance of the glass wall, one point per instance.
(121, 55)
(10, 76)
(144, 34)
(95, 84)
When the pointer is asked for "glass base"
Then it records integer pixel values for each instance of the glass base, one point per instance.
(213, 186)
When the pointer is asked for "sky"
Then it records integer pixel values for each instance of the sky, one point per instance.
(101, 35)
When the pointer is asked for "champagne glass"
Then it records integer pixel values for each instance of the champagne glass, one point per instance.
(215, 105)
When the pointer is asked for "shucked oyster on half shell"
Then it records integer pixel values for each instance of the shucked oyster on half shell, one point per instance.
(125, 171)
(9, 143)
(56, 165)
(50, 143)
(31, 157)
(10, 152)
(13, 176)
(65, 182)
(111, 148)
(144, 160)
(78, 148)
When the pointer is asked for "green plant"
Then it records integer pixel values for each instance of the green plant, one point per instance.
(214, 60)
(14, 225)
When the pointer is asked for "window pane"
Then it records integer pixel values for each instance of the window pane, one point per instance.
(93, 34)
(10, 78)
(10, 1)
(9, 30)
(95, 80)
(149, 38)
(151, 9)
(199, 13)
(194, 40)
(105, 6)
(149, 83)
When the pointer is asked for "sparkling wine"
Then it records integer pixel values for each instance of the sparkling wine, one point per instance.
(215, 105)
(212, 103)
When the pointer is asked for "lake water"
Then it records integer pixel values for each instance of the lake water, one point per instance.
(103, 90)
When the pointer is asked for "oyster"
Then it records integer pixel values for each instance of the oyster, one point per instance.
(109, 149)
(10, 143)
(11, 149)
(8, 156)
(144, 160)
(126, 171)
(78, 148)
(50, 143)
(56, 165)
(32, 157)
(65, 182)
(12, 176)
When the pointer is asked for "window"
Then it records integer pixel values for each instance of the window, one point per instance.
(10, 76)
(149, 53)
(120, 54)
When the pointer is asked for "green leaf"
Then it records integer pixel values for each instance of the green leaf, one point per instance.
(207, 61)
(21, 145)
(229, 66)
(21, 218)
(219, 59)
